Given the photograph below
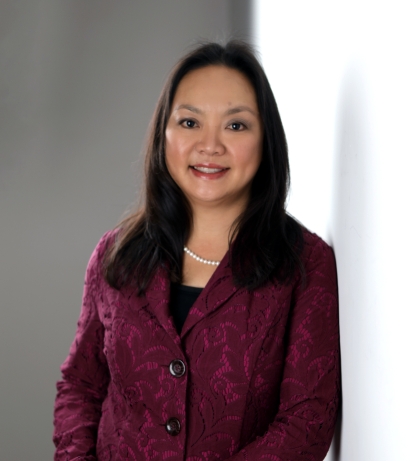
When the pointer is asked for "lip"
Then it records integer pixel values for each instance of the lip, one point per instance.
(209, 165)
(209, 176)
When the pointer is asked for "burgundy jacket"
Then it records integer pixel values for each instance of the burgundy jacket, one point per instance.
(254, 374)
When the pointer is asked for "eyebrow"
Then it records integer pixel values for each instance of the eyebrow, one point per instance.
(189, 107)
(238, 109)
(233, 110)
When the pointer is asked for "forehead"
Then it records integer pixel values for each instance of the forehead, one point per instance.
(217, 85)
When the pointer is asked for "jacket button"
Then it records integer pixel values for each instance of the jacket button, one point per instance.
(177, 368)
(173, 426)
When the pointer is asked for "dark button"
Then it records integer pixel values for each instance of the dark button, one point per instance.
(177, 368)
(173, 426)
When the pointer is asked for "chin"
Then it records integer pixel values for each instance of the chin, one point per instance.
(206, 199)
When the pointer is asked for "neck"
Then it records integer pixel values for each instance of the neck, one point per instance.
(211, 230)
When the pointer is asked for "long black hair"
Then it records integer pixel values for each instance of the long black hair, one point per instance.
(265, 242)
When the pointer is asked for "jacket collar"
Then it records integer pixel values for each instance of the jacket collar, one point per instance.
(217, 291)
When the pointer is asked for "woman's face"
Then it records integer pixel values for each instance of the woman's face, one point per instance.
(214, 137)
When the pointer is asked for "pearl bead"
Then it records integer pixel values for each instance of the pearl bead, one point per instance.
(198, 258)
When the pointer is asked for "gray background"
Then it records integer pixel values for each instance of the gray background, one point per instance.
(78, 83)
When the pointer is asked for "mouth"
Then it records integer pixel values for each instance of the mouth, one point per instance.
(209, 171)
(204, 169)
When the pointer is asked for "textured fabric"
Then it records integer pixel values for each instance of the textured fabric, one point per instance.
(182, 299)
(262, 370)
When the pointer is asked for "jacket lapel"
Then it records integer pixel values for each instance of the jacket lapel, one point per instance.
(158, 296)
(217, 291)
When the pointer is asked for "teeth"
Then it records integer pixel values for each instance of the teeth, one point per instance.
(203, 169)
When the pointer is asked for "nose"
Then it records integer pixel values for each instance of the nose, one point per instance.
(210, 142)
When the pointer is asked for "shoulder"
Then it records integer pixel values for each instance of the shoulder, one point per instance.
(97, 257)
(317, 255)
(312, 241)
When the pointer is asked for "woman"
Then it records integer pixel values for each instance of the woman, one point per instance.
(209, 325)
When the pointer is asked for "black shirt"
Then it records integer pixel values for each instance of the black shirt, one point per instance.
(182, 298)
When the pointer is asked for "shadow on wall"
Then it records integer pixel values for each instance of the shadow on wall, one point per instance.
(348, 237)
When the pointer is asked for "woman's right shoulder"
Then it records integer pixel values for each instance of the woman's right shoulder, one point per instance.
(105, 243)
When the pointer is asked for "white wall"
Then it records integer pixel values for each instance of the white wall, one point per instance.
(345, 74)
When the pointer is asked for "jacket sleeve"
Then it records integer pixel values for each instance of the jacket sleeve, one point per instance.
(310, 389)
(85, 378)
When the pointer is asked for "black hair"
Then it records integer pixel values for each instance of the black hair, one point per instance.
(265, 242)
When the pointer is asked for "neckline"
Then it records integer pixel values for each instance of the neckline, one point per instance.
(187, 288)
(222, 266)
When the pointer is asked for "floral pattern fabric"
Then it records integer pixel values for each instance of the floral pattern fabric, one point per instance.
(261, 379)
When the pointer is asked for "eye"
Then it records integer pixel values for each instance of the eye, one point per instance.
(188, 123)
(237, 126)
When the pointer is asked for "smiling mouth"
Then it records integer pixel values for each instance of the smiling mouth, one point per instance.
(204, 169)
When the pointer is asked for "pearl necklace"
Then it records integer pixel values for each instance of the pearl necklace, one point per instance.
(198, 258)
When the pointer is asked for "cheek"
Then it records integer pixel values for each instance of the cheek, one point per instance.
(171, 164)
(172, 155)
(176, 149)
(250, 156)
(169, 147)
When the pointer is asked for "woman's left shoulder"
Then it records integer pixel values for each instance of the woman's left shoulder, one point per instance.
(317, 254)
